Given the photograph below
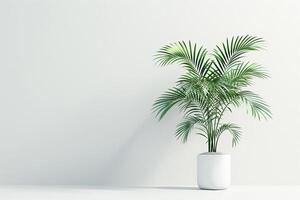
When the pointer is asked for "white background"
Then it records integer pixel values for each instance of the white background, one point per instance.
(77, 81)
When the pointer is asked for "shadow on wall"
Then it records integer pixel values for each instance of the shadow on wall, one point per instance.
(137, 159)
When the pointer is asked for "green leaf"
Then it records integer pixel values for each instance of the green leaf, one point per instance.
(233, 129)
(259, 109)
(231, 53)
(242, 75)
(185, 127)
(167, 100)
(189, 56)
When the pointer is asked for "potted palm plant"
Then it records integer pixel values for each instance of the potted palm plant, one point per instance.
(212, 85)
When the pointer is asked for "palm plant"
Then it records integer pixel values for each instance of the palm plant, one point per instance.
(213, 84)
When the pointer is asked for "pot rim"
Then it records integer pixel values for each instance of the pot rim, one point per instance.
(213, 154)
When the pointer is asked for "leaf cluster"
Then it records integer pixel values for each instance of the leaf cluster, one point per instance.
(211, 85)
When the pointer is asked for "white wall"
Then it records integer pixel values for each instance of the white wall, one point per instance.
(77, 82)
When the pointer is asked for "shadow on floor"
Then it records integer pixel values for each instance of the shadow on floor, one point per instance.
(167, 187)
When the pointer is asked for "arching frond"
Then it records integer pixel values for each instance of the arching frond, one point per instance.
(185, 127)
(259, 109)
(186, 54)
(167, 100)
(242, 74)
(231, 52)
(233, 129)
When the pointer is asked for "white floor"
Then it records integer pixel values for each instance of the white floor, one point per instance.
(157, 193)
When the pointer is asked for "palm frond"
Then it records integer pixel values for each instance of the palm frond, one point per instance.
(185, 127)
(259, 109)
(186, 54)
(198, 104)
(241, 75)
(167, 100)
(233, 129)
(231, 52)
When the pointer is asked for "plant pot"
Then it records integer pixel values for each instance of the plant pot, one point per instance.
(213, 171)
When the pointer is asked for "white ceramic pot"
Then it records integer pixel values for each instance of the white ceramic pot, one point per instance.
(213, 171)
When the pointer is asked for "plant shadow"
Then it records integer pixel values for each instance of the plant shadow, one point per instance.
(169, 187)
